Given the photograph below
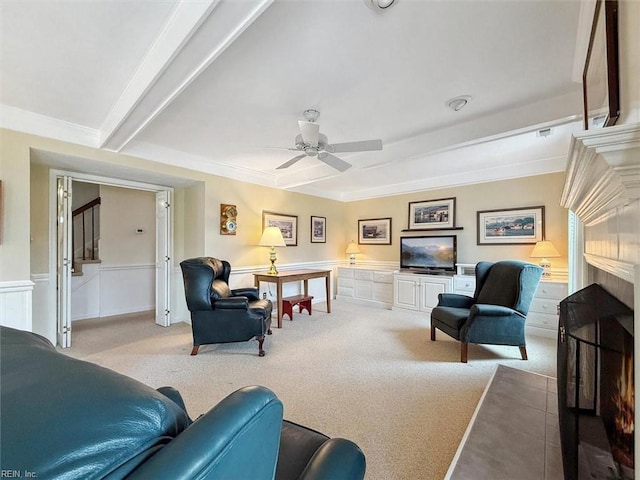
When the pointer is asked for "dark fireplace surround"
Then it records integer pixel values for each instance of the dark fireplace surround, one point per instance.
(596, 386)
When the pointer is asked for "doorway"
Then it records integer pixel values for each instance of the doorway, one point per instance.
(61, 187)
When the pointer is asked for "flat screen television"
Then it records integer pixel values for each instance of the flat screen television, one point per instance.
(433, 253)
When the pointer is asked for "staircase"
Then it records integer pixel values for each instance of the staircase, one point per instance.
(86, 233)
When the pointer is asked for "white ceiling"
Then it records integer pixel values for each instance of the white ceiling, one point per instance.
(216, 85)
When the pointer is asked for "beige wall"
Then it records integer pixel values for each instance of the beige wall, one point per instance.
(14, 173)
(122, 211)
(241, 249)
(523, 192)
(39, 187)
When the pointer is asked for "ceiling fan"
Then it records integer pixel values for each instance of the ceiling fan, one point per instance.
(312, 143)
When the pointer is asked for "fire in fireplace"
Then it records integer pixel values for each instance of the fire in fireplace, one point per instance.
(595, 386)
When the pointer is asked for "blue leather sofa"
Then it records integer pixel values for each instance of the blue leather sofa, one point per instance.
(63, 418)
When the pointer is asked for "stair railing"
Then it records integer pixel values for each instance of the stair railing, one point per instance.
(89, 207)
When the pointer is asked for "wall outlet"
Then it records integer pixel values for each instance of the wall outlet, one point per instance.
(264, 295)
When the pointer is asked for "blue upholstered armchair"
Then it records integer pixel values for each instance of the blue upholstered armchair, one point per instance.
(497, 312)
(219, 314)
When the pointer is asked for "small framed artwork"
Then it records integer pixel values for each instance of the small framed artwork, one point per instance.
(318, 229)
(511, 226)
(374, 231)
(428, 214)
(288, 225)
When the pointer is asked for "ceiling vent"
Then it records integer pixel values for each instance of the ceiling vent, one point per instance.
(379, 5)
(458, 103)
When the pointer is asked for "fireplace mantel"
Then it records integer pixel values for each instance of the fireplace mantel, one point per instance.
(602, 188)
(603, 171)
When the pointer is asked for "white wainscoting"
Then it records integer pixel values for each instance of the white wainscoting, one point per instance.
(104, 291)
(15, 304)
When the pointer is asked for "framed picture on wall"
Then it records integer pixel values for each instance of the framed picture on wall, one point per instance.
(374, 231)
(427, 214)
(511, 226)
(288, 225)
(318, 229)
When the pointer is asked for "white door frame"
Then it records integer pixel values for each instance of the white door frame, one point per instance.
(161, 304)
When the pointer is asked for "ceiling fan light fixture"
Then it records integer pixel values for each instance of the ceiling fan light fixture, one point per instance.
(311, 115)
(458, 103)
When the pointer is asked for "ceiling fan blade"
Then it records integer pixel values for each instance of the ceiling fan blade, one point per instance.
(334, 161)
(310, 132)
(288, 163)
(363, 146)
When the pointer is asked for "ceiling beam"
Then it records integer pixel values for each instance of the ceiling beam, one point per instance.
(194, 37)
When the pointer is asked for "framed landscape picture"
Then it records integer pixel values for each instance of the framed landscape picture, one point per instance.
(318, 229)
(511, 226)
(374, 231)
(427, 214)
(288, 225)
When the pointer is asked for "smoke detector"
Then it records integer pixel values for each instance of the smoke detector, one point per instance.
(458, 103)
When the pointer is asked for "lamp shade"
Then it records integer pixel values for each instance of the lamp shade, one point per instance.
(544, 249)
(352, 248)
(272, 237)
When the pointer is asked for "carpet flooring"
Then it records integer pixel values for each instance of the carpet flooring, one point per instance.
(363, 373)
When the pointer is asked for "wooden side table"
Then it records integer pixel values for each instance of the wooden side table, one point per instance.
(294, 276)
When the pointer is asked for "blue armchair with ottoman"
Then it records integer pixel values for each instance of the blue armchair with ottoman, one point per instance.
(63, 418)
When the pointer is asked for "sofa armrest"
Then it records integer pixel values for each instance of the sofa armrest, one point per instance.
(336, 459)
(485, 310)
(236, 439)
(234, 303)
(250, 292)
(454, 300)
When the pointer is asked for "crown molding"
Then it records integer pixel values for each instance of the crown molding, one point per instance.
(198, 163)
(13, 118)
(517, 170)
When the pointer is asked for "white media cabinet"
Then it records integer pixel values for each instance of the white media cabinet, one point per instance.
(367, 284)
(400, 290)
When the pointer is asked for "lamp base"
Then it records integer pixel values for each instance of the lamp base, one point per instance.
(272, 259)
(352, 259)
(546, 268)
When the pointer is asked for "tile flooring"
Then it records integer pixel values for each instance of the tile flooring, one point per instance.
(514, 432)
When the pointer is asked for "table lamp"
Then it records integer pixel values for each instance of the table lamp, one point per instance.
(272, 237)
(544, 250)
(352, 249)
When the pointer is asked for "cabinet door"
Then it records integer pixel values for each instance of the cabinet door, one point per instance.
(430, 291)
(405, 293)
(364, 289)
